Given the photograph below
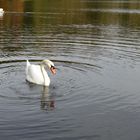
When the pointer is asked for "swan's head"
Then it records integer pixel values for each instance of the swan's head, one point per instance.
(50, 64)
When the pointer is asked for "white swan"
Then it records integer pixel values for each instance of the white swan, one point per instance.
(37, 73)
(1, 12)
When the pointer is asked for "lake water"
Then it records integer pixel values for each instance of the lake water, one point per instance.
(95, 46)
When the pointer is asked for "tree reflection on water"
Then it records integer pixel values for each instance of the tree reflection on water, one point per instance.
(71, 12)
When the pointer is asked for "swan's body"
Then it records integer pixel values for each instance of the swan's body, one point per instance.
(37, 73)
(1, 12)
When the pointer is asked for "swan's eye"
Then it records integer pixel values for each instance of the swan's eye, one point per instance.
(52, 67)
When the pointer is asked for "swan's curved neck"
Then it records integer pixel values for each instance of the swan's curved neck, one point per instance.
(43, 74)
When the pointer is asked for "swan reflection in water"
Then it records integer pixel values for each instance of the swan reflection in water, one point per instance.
(47, 100)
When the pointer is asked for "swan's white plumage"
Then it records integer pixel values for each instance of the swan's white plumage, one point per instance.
(37, 73)
(1, 12)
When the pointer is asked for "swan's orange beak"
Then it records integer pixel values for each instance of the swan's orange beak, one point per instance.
(53, 70)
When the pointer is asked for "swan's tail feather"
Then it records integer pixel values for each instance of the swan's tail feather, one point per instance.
(27, 63)
(27, 66)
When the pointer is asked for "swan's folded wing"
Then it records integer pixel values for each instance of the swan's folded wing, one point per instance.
(33, 74)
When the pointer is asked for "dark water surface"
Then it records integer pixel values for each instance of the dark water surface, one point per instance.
(95, 46)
